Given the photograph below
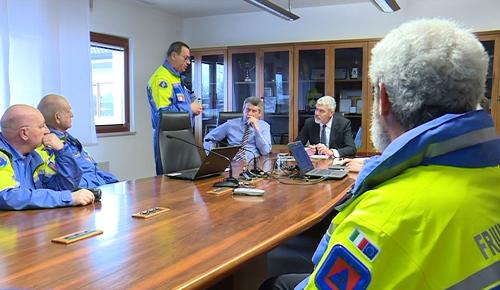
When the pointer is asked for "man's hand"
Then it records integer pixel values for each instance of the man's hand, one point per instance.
(254, 122)
(323, 150)
(196, 108)
(51, 141)
(354, 164)
(82, 197)
(311, 150)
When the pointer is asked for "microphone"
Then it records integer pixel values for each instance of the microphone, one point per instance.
(228, 182)
(255, 170)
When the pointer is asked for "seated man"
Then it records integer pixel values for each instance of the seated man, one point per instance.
(252, 133)
(334, 138)
(29, 178)
(431, 199)
(57, 113)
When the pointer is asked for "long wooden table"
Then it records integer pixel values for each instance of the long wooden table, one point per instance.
(202, 239)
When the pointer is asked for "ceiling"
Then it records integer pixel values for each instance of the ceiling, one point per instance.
(198, 8)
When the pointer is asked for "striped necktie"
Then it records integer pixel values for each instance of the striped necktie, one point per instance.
(244, 141)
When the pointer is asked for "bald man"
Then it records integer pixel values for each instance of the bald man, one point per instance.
(58, 115)
(28, 179)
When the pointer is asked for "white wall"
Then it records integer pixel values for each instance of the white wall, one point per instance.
(361, 20)
(150, 33)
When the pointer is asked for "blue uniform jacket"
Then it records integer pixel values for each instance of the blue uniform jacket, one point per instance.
(92, 176)
(32, 181)
(166, 92)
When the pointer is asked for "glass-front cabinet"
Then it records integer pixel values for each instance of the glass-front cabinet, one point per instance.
(310, 82)
(275, 91)
(243, 77)
(208, 72)
(337, 70)
(349, 79)
(263, 72)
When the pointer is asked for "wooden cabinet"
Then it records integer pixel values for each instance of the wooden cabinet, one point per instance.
(208, 72)
(491, 102)
(264, 72)
(276, 91)
(338, 70)
(290, 78)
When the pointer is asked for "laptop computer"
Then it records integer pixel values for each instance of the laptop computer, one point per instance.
(306, 167)
(212, 165)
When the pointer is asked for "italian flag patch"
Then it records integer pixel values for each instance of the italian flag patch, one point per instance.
(366, 247)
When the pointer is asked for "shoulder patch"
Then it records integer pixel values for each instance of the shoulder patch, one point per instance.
(360, 241)
(163, 84)
(3, 161)
(342, 270)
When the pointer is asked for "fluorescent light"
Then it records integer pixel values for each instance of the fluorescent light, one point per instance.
(387, 6)
(274, 9)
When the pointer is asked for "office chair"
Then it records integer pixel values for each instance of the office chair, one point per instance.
(224, 116)
(176, 155)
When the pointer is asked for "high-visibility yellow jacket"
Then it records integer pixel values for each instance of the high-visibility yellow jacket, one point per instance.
(431, 227)
(423, 215)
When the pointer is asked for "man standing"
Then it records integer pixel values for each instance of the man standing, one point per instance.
(431, 199)
(252, 133)
(28, 178)
(327, 133)
(58, 116)
(167, 92)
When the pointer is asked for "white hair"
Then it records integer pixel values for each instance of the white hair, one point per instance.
(328, 102)
(429, 67)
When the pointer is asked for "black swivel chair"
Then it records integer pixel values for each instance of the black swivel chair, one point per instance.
(177, 155)
(224, 116)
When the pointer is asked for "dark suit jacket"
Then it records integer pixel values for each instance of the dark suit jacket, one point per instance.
(340, 135)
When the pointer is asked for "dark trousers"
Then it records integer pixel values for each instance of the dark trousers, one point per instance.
(283, 282)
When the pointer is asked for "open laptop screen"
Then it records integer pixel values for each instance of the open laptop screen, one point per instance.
(304, 163)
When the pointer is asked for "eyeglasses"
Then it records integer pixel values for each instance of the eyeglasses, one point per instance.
(186, 58)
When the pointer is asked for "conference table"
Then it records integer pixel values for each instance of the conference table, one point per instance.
(202, 239)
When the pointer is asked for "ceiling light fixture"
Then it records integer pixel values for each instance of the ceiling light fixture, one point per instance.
(387, 6)
(275, 9)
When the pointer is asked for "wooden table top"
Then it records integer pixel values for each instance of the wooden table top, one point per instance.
(200, 240)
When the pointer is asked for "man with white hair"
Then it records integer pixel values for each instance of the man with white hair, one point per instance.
(28, 177)
(425, 214)
(327, 133)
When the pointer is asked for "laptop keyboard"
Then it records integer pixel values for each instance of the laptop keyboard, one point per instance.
(319, 171)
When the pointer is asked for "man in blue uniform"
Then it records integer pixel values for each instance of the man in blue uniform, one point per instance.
(28, 177)
(58, 116)
(167, 92)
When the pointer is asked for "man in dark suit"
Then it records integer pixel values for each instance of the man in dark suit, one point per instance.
(327, 133)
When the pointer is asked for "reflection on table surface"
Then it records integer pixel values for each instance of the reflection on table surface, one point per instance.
(202, 238)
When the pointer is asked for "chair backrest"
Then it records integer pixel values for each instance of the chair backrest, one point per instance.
(177, 155)
(173, 121)
(224, 116)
